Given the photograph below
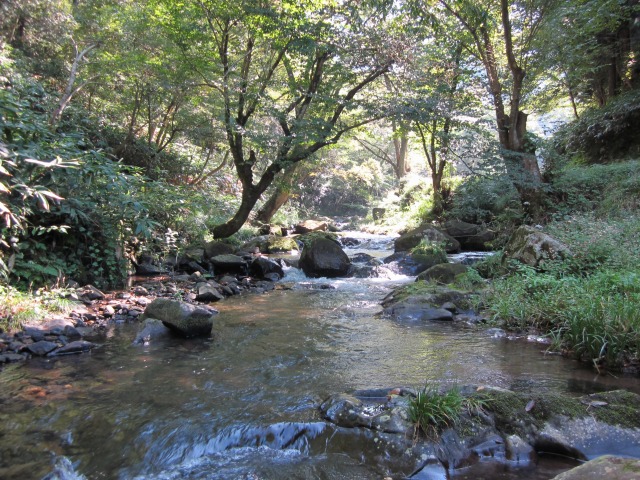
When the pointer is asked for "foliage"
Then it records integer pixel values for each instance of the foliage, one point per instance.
(594, 316)
(604, 134)
(17, 308)
(608, 190)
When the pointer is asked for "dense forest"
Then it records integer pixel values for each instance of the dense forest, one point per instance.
(141, 128)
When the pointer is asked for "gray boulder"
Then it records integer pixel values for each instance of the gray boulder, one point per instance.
(182, 318)
(532, 247)
(322, 257)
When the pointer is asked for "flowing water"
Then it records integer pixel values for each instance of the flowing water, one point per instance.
(244, 404)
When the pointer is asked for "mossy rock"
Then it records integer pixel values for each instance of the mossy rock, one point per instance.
(443, 273)
(428, 260)
(516, 410)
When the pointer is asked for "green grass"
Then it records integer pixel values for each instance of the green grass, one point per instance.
(431, 411)
(18, 308)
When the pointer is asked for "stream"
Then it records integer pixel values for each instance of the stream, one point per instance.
(244, 403)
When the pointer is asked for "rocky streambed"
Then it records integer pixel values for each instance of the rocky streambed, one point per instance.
(312, 380)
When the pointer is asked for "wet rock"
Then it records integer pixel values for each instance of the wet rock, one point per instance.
(402, 263)
(183, 318)
(322, 257)
(262, 266)
(606, 467)
(343, 410)
(90, 293)
(78, 346)
(152, 329)
(418, 313)
(41, 348)
(444, 273)
(532, 247)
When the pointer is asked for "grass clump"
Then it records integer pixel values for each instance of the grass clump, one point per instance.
(18, 308)
(431, 411)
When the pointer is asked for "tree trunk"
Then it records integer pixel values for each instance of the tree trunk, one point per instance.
(277, 199)
(249, 198)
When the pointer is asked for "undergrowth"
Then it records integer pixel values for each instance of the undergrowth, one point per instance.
(18, 308)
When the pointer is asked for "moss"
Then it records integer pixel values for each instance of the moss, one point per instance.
(509, 408)
(623, 408)
(308, 238)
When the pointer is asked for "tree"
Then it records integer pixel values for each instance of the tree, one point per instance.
(501, 37)
(290, 77)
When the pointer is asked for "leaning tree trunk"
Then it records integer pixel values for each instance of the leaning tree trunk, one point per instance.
(249, 198)
(279, 197)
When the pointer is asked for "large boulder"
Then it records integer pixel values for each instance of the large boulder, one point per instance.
(311, 226)
(322, 257)
(182, 318)
(431, 234)
(269, 244)
(532, 247)
(444, 273)
(470, 236)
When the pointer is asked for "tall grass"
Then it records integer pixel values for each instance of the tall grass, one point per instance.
(18, 308)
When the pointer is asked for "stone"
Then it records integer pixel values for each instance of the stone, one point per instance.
(41, 348)
(140, 290)
(229, 264)
(152, 329)
(183, 318)
(262, 266)
(444, 273)
(532, 247)
(78, 346)
(71, 332)
(149, 269)
(605, 467)
(90, 293)
(206, 292)
(216, 247)
(310, 226)
(412, 239)
(322, 257)
(470, 236)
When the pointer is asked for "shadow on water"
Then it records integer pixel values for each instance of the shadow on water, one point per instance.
(243, 404)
